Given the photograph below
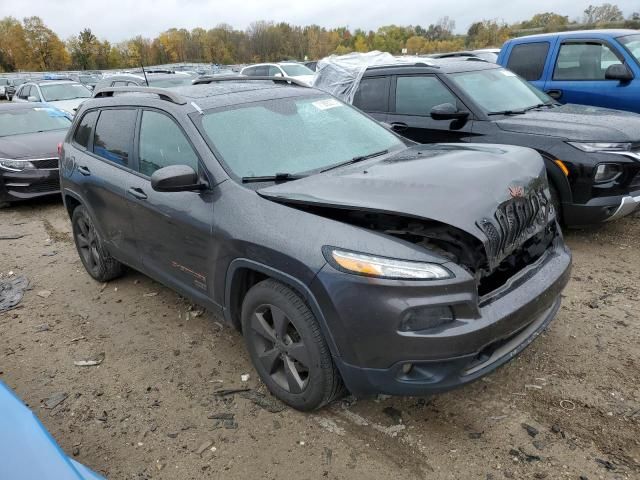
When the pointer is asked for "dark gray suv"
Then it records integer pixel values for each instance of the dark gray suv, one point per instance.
(345, 255)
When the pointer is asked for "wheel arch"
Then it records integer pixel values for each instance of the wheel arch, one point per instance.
(557, 177)
(243, 273)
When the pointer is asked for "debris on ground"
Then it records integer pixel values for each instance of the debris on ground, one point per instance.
(10, 236)
(532, 431)
(203, 446)
(394, 414)
(12, 291)
(226, 420)
(245, 377)
(230, 391)
(44, 293)
(268, 403)
(44, 327)
(90, 362)
(54, 400)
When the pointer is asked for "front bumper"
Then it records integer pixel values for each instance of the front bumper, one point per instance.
(28, 183)
(601, 209)
(364, 317)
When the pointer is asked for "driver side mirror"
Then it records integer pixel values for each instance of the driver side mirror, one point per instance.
(277, 74)
(176, 178)
(447, 111)
(618, 71)
(33, 98)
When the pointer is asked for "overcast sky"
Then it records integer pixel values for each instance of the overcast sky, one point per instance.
(117, 20)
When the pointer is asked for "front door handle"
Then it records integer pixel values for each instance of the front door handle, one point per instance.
(137, 193)
(399, 126)
(84, 170)
(555, 94)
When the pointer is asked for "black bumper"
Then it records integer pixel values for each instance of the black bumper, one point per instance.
(601, 209)
(365, 315)
(28, 183)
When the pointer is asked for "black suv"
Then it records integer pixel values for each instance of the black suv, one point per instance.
(592, 154)
(342, 254)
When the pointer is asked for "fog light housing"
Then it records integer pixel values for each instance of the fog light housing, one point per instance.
(605, 172)
(426, 318)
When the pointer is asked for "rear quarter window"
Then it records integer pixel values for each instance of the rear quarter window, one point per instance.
(113, 138)
(528, 59)
(82, 135)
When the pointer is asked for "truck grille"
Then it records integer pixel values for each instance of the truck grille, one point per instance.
(514, 222)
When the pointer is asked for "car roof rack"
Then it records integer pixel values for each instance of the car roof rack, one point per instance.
(207, 79)
(162, 93)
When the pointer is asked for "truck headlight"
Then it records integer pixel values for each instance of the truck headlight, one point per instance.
(601, 147)
(605, 172)
(368, 265)
(15, 165)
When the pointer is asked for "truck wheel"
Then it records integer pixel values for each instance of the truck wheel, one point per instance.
(95, 257)
(287, 347)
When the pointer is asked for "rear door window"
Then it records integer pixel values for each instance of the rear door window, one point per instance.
(250, 71)
(417, 95)
(162, 143)
(82, 135)
(373, 94)
(528, 59)
(113, 137)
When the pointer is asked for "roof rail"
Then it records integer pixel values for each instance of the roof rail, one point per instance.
(162, 93)
(213, 78)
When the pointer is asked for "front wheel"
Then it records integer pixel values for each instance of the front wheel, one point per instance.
(287, 347)
(94, 256)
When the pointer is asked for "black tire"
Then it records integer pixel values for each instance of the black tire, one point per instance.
(555, 201)
(94, 256)
(287, 347)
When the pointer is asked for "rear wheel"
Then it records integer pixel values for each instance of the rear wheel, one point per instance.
(94, 256)
(287, 347)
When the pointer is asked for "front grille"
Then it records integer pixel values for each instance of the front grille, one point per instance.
(46, 163)
(514, 221)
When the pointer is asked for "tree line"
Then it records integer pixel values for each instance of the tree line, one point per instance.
(29, 45)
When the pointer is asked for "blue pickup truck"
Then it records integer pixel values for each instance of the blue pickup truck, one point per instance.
(590, 67)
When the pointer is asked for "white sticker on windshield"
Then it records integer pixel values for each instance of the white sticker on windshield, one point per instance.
(507, 73)
(326, 104)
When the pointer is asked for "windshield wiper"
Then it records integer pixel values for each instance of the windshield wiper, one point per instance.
(539, 105)
(278, 177)
(508, 112)
(356, 160)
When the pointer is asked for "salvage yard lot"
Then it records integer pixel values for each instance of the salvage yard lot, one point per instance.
(568, 406)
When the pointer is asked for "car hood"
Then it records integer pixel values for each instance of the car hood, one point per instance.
(458, 185)
(68, 106)
(32, 145)
(576, 123)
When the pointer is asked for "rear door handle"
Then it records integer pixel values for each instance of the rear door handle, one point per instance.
(137, 193)
(399, 126)
(84, 170)
(555, 94)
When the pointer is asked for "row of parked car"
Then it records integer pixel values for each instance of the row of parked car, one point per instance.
(329, 224)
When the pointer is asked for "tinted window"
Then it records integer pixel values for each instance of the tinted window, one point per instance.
(583, 61)
(373, 94)
(262, 71)
(162, 143)
(250, 71)
(418, 95)
(528, 59)
(82, 135)
(113, 135)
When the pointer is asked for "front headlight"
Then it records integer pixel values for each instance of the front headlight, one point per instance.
(605, 172)
(15, 165)
(601, 147)
(390, 268)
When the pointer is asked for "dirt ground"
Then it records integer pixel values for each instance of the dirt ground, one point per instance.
(568, 407)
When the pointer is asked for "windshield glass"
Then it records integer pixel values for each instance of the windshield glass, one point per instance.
(31, 120)
(293, 135)
(64, 91)
(178, 81)
(296, 70)
(18, 81)
(632, 42)
(499, 90)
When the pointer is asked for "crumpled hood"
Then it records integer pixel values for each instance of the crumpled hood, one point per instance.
(458, 185)
(68, 106)
(32, 145)
(577, 123)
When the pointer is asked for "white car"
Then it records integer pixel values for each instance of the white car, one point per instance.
(282, 69)
(65, 95)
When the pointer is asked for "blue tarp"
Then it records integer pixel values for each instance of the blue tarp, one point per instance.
(27, 450)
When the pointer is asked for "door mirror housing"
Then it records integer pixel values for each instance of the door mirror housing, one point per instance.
(176, 178)
(447, 111)
(33, 98)
(278, 74)
(618, 71)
